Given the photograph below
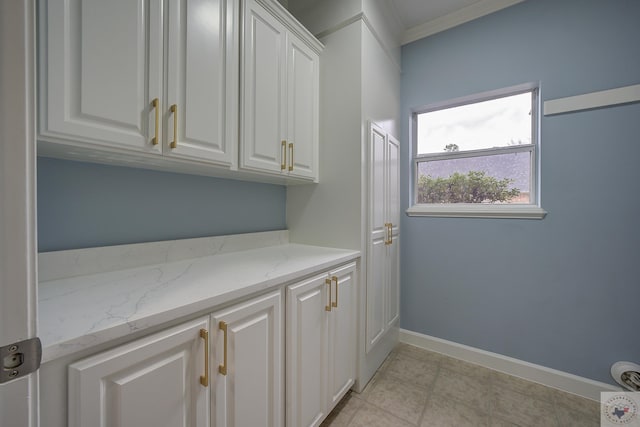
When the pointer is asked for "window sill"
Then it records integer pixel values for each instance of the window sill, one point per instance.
(478, 211)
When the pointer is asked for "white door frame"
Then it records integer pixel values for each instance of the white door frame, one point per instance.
(18, 243)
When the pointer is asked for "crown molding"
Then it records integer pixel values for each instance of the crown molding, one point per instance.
(453, 19)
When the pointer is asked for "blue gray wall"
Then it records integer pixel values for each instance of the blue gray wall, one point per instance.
(84, 205)
(561, 292)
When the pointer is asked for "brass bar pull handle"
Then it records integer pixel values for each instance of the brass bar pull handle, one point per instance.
(223, 368)
(328, 306)
(156, 106)
(283, 165)
(291, 156)
(335, 279)
(204, 379)
(386, 230)
(390, 233)
(174, 110)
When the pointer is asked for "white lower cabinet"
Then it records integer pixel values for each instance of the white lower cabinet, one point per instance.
(228, 369)
(248, 363)
(154, 381)
(321, 344)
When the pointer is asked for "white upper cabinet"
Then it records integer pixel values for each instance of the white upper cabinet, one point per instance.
(202, 80)
(106, 84)
(100, 68)
(279, 92)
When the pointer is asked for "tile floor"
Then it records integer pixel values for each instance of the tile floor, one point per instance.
(415, 387)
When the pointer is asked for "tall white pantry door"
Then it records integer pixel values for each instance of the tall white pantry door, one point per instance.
(18, 248)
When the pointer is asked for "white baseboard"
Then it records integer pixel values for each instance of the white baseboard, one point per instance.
(519, 368)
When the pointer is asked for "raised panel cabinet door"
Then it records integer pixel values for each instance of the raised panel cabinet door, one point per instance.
(202, 80)
(262, 143)
(393, 182)
(303, 103)
(100, 68)
(342, 336)
(248, 363)
(377, 183)
(307, 351)
(376, 292)
(150, 382)
(392, 309)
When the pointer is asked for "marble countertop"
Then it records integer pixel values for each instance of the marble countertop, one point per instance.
(77, 313)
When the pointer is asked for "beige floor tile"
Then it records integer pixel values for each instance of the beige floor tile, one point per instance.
(371, 416)
(511, 383)
(522, 410)
(442, 411)
(414, 371)
(465, 368)
(575, 403)
(399, 398)
(418, 353)
(498, 422)
(470, 390)
(569, 418)
(343, 412)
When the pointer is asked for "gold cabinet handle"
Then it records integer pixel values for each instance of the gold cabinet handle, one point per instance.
(291, 156)
(386, 230)
(335, 279)
(223, 368)
(155, 104)
(174, 110)
(283, 147)
(204, 379)
(390, 233)
(328, 306)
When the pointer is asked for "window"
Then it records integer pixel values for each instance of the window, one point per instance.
(477, 156)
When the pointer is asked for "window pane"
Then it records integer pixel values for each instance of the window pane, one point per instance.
(500, 178)
(500, 122)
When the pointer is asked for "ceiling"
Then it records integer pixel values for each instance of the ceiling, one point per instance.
(422, 18)
(416, 12)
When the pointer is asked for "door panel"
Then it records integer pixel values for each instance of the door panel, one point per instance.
(342, 345)
(376, 292)
(99, 83)
(307, 332)
(377, 182)
(303, 77)
(198, 82)
(250, 393)
(392, 312)
(18, 234)
(149, 382)
(263, 110)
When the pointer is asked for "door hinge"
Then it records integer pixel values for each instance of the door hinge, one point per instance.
(20, 359)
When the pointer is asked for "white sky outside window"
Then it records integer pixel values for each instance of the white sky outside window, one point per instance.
(494, 123)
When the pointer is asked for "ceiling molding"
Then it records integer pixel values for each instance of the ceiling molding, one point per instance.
(453, 19)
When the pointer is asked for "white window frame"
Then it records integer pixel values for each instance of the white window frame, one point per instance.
(531, 210)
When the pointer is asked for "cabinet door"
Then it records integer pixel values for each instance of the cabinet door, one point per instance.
(248, 391)
(393, 250)
(302, 108)
(307, 341)
(342, 333)
(100, 69)
(376, 292)
(154, 381)
(202, 80)
(392, 309)
(263, 145)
